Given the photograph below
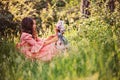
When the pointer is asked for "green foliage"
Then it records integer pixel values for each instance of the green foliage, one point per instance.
(60, 3)
(93, 54)
(11, 14)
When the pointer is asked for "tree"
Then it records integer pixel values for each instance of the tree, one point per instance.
(7, 24)
(85, 7)
(111, 5)
(11, 13)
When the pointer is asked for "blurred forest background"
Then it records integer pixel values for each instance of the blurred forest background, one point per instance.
(92, 29)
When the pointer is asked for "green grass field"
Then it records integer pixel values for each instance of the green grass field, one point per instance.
(92, 55)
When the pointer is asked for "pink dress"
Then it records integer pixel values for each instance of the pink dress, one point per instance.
(35, 49)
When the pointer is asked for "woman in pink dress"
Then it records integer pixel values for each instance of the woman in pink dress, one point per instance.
(34, 47)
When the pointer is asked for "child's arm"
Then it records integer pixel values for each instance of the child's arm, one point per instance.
(52, 36)
(54, 39)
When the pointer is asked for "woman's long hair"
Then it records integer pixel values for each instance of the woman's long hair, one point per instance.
(27, 26)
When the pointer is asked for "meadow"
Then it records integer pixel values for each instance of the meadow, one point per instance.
(91, 56)
(93, 53)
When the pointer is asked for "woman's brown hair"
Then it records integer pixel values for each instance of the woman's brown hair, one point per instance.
(27, 26)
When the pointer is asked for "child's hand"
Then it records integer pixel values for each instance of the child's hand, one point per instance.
(56, 30)
(17, 45)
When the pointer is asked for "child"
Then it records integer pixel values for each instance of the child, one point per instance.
(33, 46)
(62, 42)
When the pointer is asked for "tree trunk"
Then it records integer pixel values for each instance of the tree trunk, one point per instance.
(85, 8)
(111, 5)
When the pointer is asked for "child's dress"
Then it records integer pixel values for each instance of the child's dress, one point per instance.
(35, 49)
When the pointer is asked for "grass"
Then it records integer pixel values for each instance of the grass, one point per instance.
(91, 56)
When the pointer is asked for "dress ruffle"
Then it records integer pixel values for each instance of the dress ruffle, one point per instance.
(34, 48)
